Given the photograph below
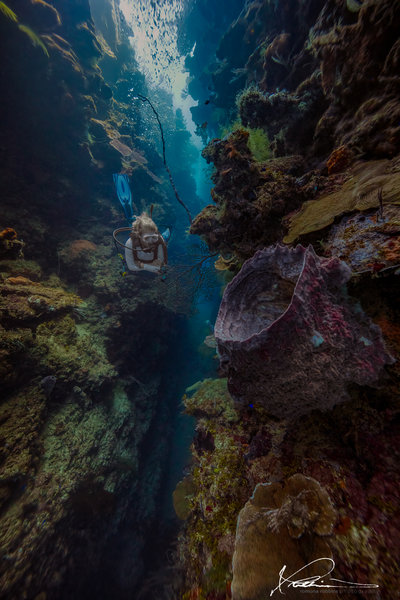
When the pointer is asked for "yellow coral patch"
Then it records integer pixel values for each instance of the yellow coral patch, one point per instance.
(19, 280)
(358, 193)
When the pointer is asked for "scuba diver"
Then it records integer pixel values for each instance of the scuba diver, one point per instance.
(145, 248)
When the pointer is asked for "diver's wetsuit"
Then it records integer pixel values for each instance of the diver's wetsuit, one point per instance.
(148, 256)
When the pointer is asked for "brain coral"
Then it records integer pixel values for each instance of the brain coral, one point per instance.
(289, 336)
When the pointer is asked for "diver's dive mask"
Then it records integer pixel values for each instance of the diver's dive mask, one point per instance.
(150, 239)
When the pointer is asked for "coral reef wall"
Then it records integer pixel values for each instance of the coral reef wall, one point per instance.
(320, 81)
(83, 351)
(306, 96)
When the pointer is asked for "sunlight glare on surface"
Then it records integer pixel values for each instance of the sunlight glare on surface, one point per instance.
(154, 25)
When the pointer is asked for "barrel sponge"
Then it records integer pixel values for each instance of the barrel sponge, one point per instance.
(290, 337)
(282, 524)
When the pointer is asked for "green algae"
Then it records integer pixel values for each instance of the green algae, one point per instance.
(257, 142)
(210, 398)
(73, 353)
(7, 12)
(221, 489)
(34, 38)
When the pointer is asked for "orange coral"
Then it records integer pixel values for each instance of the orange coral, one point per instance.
(391, 333)
(19, 280)
(8, 234)
(233, 153)
(9, 244)
(391, 250)
(78, 246)
(339, 160)
(236, 143)
(343, 526)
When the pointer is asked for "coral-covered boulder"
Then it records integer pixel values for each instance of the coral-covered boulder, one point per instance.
(251, 194)
(210, 398)
(290, 338)
(282, 525)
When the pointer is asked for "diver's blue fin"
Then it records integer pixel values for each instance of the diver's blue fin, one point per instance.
(121, 183)
(167, 234)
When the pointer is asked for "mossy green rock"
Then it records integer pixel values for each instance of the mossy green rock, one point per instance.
(210, 398)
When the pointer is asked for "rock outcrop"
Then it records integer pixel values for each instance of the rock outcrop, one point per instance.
(299, 84)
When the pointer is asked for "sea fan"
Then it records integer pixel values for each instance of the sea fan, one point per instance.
(199, 273)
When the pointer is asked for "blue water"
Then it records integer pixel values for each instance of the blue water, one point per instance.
(194, 367)
(197, 360)
(190, 362)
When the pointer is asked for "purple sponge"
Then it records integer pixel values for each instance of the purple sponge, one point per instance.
(291, 338)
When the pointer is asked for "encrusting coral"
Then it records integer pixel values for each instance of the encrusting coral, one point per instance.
(32, 300)
(218, 487)
(321, 80)
(311, 101)
(76, 409)
(77, 396)
(367, 242)
(337, 499)
(359, 191)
